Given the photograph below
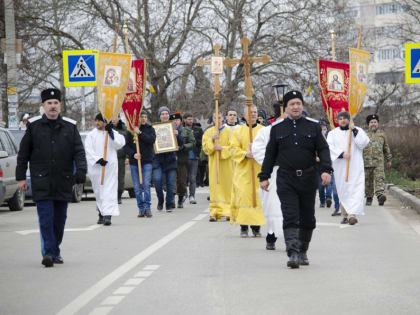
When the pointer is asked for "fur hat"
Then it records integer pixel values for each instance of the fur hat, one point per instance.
(291, 95)
(163, 109)
(50, 94)
(370, 117)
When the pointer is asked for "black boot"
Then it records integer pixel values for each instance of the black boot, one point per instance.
(369, 201)
(292, 246)
(101, 219)
(160, 205)
(107, 220)
(271, 241)
(256, 230)
(381, 199)
(305, 237)
(120, 192)
(181, 200)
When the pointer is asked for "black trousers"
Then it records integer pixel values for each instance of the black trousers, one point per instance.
(297, 197)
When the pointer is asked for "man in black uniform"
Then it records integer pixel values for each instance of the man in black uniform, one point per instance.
(293, 145)
(52, 146)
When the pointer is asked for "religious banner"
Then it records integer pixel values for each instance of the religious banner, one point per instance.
(333, 79)
(359, 61)
(133, 101)
(112, 81)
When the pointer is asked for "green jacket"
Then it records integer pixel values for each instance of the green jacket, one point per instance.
(377, 151)
(189, 143)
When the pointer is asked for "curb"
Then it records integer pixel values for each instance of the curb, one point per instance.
(405, 197)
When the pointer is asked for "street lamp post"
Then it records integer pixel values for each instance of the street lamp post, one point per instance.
(279, 87)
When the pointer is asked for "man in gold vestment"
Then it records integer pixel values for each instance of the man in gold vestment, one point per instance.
(243, 212)
(220, 193)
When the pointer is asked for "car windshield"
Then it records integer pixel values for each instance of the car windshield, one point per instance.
(18, 134)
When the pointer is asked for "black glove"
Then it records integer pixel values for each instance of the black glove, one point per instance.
(355, 132)
(110, 130)
(79, 178)
(101, 162)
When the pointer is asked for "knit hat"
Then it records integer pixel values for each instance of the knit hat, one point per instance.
(370, 117)
(291, 95)
(344, 115)
(163, 109)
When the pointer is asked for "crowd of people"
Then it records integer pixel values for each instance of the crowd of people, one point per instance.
(261, 171)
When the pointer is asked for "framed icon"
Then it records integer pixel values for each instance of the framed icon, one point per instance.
(165, 138)
(216, 65)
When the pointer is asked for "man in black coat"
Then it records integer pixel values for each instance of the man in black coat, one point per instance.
(293, 146)
(147, 136)
(54, 150)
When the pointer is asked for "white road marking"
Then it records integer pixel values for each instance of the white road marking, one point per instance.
(200, 217)
(416, 228)
(123, 290)
(113, 300)
(151, 267)
(83, 299)
(143, 274)
(101, 310)
(341, 226)
(89, 228)
(134, 281)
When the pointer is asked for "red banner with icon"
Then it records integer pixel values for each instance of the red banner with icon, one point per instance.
(334, 79)
(133, 101)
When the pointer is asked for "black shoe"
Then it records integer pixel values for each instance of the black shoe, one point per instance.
(48, 261)
(381, 199)
(140, 215)
(107, 220)
(303, 259)
(336, 212)
(160, 206)
(256, 232)
(119, 201)
(58, 260)
(329, 203)
(169, 207)
(322, 205)
(148, 213)
(208, 198)
(293, 260)
(101, 219)
(270, 246)
(369, 201)
(244, 233)
(352, 220)
(212, 219)
(181, 200)
(344, 221)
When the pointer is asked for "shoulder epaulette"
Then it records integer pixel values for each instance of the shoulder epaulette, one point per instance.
(70, 120)
(311, 119)
(31, 120)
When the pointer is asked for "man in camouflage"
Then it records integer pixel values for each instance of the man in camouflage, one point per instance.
(375, 154)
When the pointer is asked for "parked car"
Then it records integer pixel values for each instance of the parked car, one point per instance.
(9, 192)
(128, 183)
(77, 188)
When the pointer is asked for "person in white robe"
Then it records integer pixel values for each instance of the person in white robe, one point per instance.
(352, 192)
(107, 194)
(269, 199)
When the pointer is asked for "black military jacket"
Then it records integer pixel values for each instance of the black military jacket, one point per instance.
(293, 145)
(55, 152)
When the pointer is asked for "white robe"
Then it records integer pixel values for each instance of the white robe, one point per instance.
(106, 194)
(269, 199)
(351, 193)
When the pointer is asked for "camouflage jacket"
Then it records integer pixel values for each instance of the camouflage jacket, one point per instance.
(377, 150)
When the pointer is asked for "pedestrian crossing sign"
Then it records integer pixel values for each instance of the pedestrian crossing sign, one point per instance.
(412, 63)
(79, 67)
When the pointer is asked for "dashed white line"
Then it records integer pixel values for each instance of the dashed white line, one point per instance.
(88, 228)
(151, 267)
(143, 274)
(123, 290)
(103, 310)
(113, 300)
(134, 281)
(200, 217)
(83, 299)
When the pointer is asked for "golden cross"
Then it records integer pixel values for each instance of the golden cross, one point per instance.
(246, 61)
(216, 89)
(201, 62)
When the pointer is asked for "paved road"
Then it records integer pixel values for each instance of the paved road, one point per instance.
(180, 263)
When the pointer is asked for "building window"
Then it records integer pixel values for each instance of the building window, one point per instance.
(388, 54)
(389, 77)
(390, 8)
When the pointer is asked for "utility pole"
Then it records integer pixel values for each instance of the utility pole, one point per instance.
(11, 62)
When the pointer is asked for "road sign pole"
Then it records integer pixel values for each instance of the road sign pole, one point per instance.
(83, 109)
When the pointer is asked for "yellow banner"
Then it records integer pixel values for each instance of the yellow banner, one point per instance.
(359, 62)
(112, 81)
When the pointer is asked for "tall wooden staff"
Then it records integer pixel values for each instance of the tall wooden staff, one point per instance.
(114, 50)
(359, 105)
(246, 61)
(132, 122)
(216, 71)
